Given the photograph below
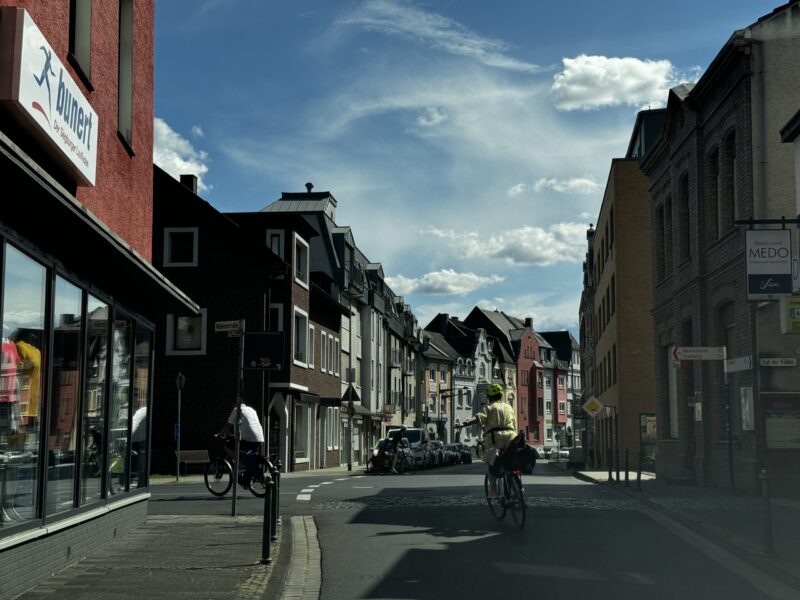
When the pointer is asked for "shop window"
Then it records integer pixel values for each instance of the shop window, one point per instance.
(187, 334)
(80, 37)
(180, 246)
(118, 446)
(24, 290)
(125, 76)
(94, 400)
(62, 444)
(140, 404)
(302, 431)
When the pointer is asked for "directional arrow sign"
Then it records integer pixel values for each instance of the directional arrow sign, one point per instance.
(592, 406)
(742, 363)
(699, 353)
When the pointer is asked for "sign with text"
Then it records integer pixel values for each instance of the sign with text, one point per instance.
(741, 363)
(776, 361)
(44, 96)
(235, 326)
(263, 350)
(699, 353)
(769, 263)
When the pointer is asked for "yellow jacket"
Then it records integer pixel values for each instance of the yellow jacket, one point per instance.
(499, 424)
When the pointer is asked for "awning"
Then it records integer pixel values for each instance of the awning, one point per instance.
(42, 211)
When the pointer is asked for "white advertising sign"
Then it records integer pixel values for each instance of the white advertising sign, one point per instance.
(46, 97)
(769, 263)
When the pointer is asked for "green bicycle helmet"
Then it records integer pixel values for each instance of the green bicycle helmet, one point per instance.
(494, 389)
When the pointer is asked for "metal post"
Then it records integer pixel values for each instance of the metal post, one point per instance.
(3, 468)
(180, 381)
(616, 441)
(277, 490)
(608, 459)
(275, 493)
(766, 513)
(238, 425)
(639, 472)
(266, 535)
(627, 482)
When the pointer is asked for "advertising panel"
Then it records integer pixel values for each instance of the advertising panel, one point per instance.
(783, 420)
(45, 98)
(769, 263)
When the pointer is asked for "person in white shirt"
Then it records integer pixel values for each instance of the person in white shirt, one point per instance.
(252, 432)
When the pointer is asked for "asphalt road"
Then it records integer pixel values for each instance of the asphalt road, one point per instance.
(430, 535)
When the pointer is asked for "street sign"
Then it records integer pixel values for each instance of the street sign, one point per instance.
(698, 353)
(741, 363)
(237, 326)
(778, 362)
(263, 350)
(593, 406)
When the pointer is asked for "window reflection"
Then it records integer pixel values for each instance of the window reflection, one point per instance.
(139, 422)
(93, 416)
(24, 287)
(119, 407)
(62, 444)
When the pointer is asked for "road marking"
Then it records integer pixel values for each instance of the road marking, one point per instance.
(306, 497)
(342, 479)
(314, 486)
(362, 487)
(328, 482)
(306, 491)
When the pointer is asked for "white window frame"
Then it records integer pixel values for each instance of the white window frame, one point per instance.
(168, 246)
(302, 242)
(337, 356)
(279, 308)
(279, 233)
(310, 346)
(295, 312)
(305, 408)
(170, 332)
(323, 352)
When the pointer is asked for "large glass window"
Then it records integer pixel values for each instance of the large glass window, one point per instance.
(119, 407)
(141, 398)
(94, 399)
(62, 444)
(24, 292)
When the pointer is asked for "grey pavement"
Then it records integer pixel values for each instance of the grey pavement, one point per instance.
(742, 524)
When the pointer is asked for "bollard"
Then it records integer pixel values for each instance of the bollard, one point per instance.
(627, 483)
(275, 493)
(266, 535)
(608, 462)
(278, 489)
(766, 513)
(639, 473)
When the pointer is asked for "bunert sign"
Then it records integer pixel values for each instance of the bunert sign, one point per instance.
(698, 353)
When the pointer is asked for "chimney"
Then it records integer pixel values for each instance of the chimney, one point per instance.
(190, 181)
(309, 187)
(529, 323)
(444, 323)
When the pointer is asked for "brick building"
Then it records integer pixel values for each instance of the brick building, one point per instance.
(720, 161)
(80, 297)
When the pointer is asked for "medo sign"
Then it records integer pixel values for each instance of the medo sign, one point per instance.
(769, 263)
(44, 96)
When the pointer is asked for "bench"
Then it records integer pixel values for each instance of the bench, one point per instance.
(193, 457)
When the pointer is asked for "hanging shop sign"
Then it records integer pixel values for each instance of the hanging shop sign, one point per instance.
(769, 263)
(44, 97)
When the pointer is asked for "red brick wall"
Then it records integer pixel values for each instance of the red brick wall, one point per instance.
(123, 194)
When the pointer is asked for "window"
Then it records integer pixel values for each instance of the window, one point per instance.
(337, 356)
(125, 78)
(275, 241)
(180, 246)
(548, 381)
(311, 331)
(186, 334)
(562, 407)
(275, 317)
(549, 434)
(302, 431)
(443, 375)
(94, 398)
(713, 213)
(539, 380)
(332, 425)
(80, 36)
(432, 374)
(684, 247)
(730, 189)
(548, 406)
(613, 289)
(562, 382)
(300, 337)
(300, 261)
(323, 351)
(118, 445)
(668, 241)
(614, 364)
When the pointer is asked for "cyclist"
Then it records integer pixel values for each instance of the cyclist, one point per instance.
(499, 427)
(252, 433)
(397, 437)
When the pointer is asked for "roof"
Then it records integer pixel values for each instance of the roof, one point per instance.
(439, 348)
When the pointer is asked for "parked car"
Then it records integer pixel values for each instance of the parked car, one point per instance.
(380, 460)
(559, 454)
(420, 445)
(437, 453)
(463, 453)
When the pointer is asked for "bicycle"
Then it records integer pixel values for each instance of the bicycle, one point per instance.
(479, 448)
(253, 474)
(510, 493)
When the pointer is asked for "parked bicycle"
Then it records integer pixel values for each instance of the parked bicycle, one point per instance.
(254, 471)
(510, 496)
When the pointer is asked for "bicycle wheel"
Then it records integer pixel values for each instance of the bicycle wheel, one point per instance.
(218, 476)
(515, 498)
(495, 504)
(258, 483)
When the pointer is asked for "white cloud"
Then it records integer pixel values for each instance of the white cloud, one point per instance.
(435, 31)
(431, 116)
(176, 155)
(516, 190)
(573, 185)
(446, 281)
(562, 242)
(590, 82)
(197, 131)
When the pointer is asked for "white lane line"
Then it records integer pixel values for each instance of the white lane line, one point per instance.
(358, 476)
(314, 486)
(306, 491)
(362, 487)
(342, 479)
(326, 482)
(306, 497)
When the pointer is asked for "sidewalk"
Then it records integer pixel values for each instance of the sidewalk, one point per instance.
(198, 557)
(734, 522)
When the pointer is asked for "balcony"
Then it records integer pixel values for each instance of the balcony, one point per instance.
(354, 280)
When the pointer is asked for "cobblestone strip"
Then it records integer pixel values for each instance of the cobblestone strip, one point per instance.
(305, 572)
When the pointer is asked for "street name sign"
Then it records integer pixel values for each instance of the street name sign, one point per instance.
(741, 363)
(778, 362)
(236, 326)
(699, 353)
(592, 406)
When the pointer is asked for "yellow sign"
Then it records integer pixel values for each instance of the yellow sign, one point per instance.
(592, 406)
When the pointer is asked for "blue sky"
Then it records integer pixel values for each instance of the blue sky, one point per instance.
(467, 142)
